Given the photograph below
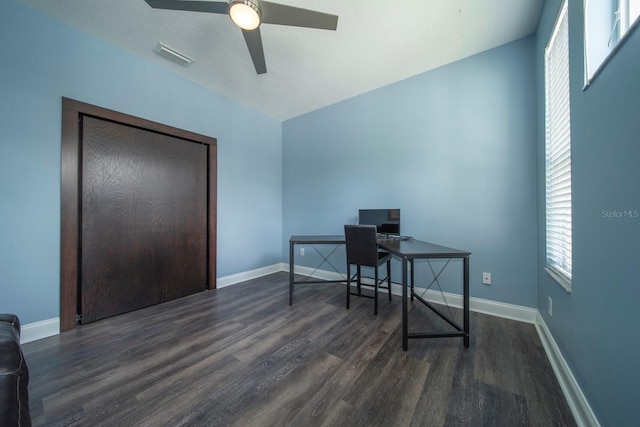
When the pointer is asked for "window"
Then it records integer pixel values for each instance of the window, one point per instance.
(558, 151)
(607, 23)
(628, 12)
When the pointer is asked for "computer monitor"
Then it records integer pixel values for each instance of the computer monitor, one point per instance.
(387, 221)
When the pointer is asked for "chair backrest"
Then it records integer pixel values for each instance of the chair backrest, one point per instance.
(362, 248)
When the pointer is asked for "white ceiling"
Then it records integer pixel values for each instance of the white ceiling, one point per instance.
(377, 42)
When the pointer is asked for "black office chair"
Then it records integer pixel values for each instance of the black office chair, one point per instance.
(362, 250)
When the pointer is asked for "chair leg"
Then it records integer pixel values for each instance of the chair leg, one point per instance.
(348, 284)
(389, 277)
(375, 297)
(358, 280)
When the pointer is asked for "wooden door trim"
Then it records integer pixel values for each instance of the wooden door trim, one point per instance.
(72, 111)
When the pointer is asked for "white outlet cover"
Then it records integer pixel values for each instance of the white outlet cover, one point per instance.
(486, 278)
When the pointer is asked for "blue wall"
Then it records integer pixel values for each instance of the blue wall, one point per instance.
(453, 148)
(596, 326)
(44, 60)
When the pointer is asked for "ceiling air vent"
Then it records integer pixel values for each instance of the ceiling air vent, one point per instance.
(172, 55)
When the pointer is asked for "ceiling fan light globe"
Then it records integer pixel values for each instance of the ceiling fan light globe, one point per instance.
(245, 14)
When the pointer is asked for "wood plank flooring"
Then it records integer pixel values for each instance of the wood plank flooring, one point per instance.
(242, 356)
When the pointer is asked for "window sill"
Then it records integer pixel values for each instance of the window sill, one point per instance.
(562, 281)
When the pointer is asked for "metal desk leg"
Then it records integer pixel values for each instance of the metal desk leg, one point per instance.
(412, 278)
(291, 264)
(466, 300)
(405, 326)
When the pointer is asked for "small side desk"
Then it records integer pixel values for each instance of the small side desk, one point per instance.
(408, 250)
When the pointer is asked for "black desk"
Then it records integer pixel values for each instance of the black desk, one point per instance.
(408, 250)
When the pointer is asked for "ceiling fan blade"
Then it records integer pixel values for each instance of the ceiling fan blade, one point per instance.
(254, 43)
(274, 13)
(190, 6)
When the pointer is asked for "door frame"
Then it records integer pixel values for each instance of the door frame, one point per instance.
(72, 112)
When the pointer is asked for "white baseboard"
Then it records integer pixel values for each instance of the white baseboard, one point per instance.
(38, 330)
(222, 282)
(318, 274)
(479, 305)
(578, 403)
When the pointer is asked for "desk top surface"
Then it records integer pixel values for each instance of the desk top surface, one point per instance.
(408, 247)
(317, 239)
(413, 248)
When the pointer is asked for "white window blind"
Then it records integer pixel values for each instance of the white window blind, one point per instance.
(558, 151)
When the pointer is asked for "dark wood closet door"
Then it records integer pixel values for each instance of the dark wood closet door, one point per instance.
(143, 218)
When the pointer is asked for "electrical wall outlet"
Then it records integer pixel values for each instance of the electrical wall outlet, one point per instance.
(486, 278)
(550, 307)
(301, 251)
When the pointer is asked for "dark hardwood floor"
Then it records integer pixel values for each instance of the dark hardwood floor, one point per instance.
(242, 356)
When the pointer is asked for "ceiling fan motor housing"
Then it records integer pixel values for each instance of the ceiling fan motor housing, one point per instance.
(246, 14)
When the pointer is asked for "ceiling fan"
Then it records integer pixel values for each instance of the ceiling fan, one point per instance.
(249, 14)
